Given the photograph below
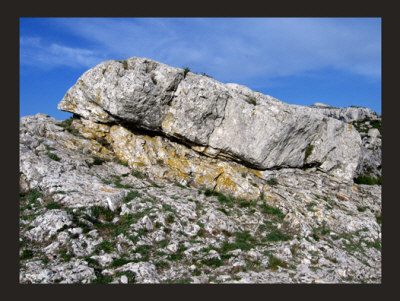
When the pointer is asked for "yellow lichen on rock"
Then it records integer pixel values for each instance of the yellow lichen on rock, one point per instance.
(163, 158)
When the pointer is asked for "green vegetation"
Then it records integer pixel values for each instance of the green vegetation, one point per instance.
(186, 70)
(96, 161)
(137, 174)
(251, 100)
(53, 156)
(102, 213)
(124, 163)
(367, 180)
(214, 262)
(243, 241)
(131, 195)
(100, 278)
(53, 205)
(266, 209)
(310, 206)
(106, 246)
(274, 262)
(117, 262)
(129, 274)
(67, 125)
(26, 254)
(276, 235)
(308, 152)
(272, 182)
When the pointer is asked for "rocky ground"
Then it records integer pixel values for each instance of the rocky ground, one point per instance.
(87, 215)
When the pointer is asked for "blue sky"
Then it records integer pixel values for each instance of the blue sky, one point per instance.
(336, 61)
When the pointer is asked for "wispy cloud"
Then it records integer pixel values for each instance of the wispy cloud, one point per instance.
(237, 49)
(36, 52)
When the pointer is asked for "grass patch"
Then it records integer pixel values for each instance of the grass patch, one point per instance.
(214, 262)
(106, 246)
(117, 262)
(131, 195)
(266, 209)
(275, 262)
(100, 212)
(276, 235)
(53, 205)
(67, 125)
(243, 241)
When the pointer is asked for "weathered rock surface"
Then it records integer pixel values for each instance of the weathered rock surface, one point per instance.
(369, 125)
(106, 203)
(221, 120)
(348, 114)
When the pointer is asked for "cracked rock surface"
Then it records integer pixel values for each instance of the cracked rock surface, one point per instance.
(224, 120)
(103, 202)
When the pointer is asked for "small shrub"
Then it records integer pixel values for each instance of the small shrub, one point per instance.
(137, 174)
(272, 182)
(125, 64)
(131, 275)
(310, 206)
(96, 161)
(102, 278)
(170, 219)
(367, 180)
(26, 254)
(251, 100)
(101, 212)
(186, 70)
(308, 152)
(53, 156)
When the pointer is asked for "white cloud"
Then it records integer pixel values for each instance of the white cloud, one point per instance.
(229, 49)
(35, 52)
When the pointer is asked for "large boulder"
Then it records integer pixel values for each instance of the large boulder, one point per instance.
(219, 120)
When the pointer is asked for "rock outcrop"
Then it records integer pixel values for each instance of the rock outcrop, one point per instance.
(348, 114)
(165, 176)
(88, 217)
(228, 121)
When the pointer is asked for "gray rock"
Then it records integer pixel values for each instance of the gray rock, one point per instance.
(231, 120)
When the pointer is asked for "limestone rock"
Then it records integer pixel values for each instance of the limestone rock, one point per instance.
(230, 121)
